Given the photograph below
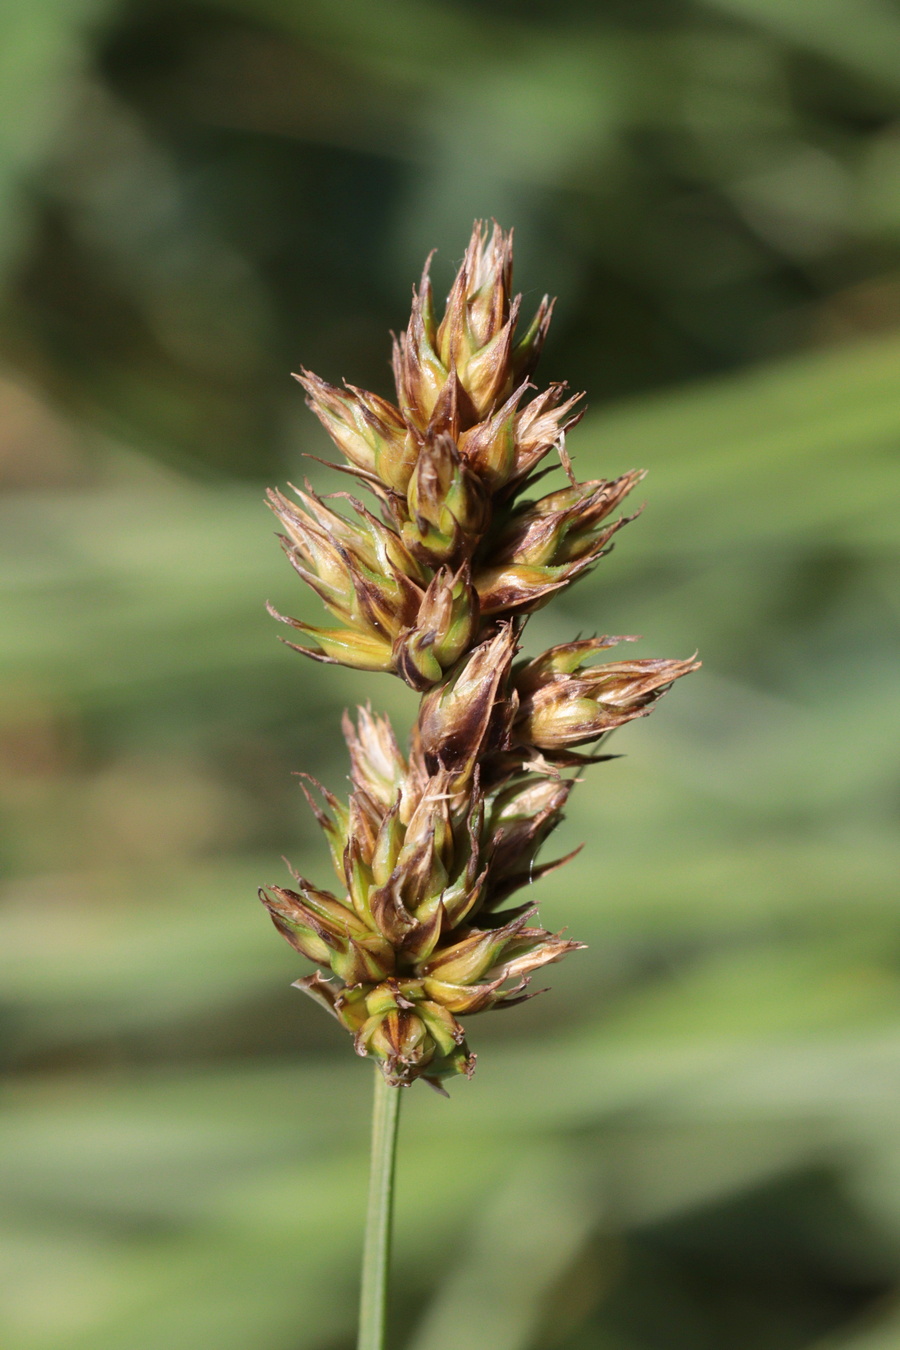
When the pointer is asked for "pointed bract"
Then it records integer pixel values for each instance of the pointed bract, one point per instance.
(467, 717)
(561, 708)
(367, 429)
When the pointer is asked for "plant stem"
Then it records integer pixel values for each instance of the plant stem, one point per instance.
(377, 1245)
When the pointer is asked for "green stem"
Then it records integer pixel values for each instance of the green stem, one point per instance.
(377, 1246)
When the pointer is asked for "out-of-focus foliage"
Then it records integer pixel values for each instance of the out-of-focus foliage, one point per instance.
(693, 1140)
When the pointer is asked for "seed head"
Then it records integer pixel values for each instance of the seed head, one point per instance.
(436, 588)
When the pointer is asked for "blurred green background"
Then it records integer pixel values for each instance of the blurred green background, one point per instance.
(693, 1142)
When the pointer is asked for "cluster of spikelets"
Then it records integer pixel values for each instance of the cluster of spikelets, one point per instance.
(437, 588)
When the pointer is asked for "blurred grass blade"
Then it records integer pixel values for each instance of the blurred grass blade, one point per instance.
(513, 1254)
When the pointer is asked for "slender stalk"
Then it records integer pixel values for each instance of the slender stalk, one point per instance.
(377, 1244)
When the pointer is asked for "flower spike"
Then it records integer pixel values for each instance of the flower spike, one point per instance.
(431, 845)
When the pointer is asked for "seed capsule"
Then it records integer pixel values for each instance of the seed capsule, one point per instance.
(448, 506)
(444, 629)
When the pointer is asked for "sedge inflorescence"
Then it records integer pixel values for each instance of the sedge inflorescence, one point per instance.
(437, 587)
